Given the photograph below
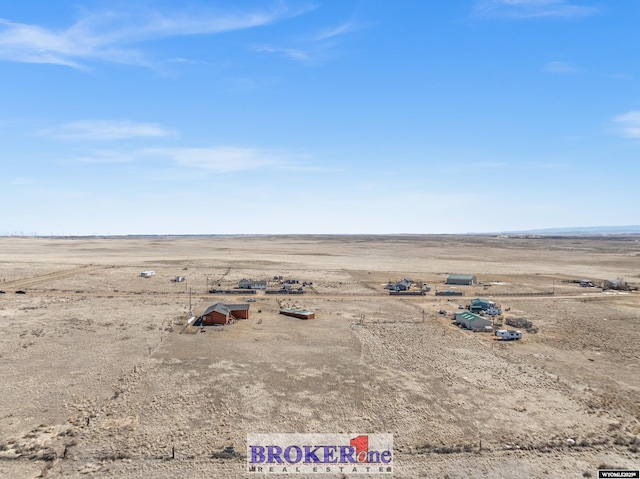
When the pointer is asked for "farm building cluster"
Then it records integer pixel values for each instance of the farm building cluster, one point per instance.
(250, 286)
(478, 314)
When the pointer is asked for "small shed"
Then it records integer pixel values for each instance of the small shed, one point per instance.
(473, 321)
(462, 279)
(298, 313)
(147, 274)
(220, 313)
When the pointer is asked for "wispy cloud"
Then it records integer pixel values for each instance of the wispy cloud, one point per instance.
(292, 53)
(186, 60)
(341, 29)
(532, 9)
(213, 159)
(561, 68)
(107, 130)
(109, 36)
(629, 124)
(219, 159)
(107, 156)
(314, 45)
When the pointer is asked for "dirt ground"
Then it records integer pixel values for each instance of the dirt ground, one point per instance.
(103, 377)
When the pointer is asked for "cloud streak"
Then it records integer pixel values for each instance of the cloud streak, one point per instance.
(103, 130)
(342, 29)
(532, 9)
(109, 36)
(314, 45)
(561, 68)
(218, 159)
(629, 124)
(292, 53)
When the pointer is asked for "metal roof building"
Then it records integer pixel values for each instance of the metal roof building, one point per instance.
(462, 279)
(481, 304)
(473, 321)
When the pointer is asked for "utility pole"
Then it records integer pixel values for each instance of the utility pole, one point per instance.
(190, 311)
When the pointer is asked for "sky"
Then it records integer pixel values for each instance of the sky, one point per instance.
(318, 117)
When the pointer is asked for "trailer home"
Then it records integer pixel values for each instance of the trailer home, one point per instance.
(508, 334)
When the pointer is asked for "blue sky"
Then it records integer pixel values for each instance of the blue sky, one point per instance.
(341, 116)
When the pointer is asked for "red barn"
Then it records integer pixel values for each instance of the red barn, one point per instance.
(221, 313)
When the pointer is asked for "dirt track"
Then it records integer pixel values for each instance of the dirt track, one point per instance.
(98, 382)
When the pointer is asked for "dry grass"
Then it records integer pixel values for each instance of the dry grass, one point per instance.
(101, 379)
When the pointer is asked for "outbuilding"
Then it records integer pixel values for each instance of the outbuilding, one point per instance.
(462, 279)
(402, 285)
(298, 313)
(221, 313)
(481, 304)
(473, 321)
(250, 284)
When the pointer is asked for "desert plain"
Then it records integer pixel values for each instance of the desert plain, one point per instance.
(102, 375)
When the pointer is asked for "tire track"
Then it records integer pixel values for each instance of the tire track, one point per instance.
(23, 283)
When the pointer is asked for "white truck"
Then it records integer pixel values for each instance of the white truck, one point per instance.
(508, 335)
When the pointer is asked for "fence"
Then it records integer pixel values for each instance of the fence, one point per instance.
(539, 293)
(232, 291)
(407, 293)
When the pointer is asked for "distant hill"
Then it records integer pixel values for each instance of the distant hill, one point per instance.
(583, 230)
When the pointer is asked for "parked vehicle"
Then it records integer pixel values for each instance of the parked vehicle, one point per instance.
(21, 291)
(443, 311)
(251, 300)
(508, 334)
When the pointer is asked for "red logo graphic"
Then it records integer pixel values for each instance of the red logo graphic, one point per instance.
(361, 443)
